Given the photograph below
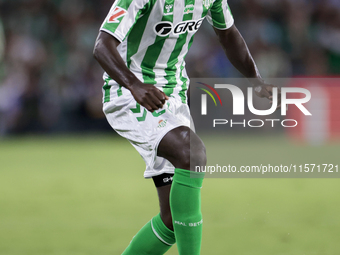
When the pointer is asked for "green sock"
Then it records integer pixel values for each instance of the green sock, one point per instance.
(153, 239)
(185, 204)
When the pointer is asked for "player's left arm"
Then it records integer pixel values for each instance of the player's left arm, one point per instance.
(239, 55)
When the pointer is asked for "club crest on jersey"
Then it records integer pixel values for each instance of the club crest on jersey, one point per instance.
(189, 9)
(117, 13)
(207, 3)
(164, 28)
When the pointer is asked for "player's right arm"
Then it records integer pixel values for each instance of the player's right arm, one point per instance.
(115, 29)
(106, 53)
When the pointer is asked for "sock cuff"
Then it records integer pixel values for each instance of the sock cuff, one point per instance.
(188, 178)
(164, 234)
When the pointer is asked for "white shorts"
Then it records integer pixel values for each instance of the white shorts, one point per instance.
(144, 129)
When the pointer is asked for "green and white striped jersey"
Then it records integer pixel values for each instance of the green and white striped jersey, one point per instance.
(156, 35)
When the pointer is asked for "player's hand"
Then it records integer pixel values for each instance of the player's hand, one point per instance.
(266, 91)
(148, 96)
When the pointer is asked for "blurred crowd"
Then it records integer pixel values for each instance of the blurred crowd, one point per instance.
(49, 81)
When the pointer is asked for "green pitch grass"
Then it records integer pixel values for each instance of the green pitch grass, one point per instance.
(87, 195)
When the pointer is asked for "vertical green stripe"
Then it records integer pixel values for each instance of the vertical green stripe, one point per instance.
(152, 54)
(184, 86)
(182, 93)
(136, 18)
(217, 15)
(173, 60)
(150, 59)
(135, 36)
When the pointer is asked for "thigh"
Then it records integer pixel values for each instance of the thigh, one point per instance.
(175, 144)
(144, 129)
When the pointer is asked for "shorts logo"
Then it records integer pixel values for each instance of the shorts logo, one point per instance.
(164, 28)
(162, 123)
(116, 14)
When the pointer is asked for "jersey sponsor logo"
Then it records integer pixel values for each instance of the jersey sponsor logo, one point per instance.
(164, 28)
(117, 13)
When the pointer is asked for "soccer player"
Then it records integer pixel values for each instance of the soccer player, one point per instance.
(141, 46)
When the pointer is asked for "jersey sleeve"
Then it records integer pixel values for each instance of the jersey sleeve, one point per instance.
(122, 16)
(219, 15)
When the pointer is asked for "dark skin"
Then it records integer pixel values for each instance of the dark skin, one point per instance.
(105, 52)
(238, 54)
(176, 146)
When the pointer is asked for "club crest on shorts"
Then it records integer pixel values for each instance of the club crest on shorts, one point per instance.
(162, 123)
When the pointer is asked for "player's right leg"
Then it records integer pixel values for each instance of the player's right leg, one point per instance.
(185, 150)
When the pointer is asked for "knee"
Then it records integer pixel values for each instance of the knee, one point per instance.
(183, 148)
(184, 158)
(198, 156)
(193, 155)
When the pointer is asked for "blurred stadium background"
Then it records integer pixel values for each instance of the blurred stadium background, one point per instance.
(49, 81)
(69, 185)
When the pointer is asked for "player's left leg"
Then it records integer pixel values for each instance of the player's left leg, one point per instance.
(185, 150)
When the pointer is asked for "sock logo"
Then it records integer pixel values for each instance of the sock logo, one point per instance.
(196, 224)
(190, 224)
(180, 223)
